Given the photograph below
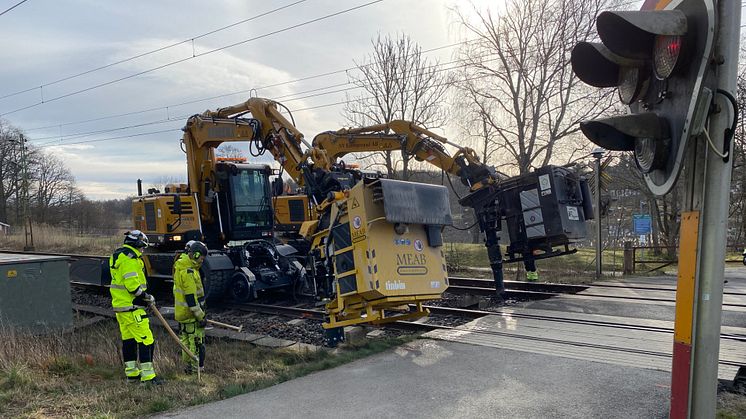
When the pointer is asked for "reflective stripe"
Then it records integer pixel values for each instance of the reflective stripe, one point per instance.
(129, 275)
(139, 290)
(118, 287)
(179, 291)
(131, 369)
(122, 309)
(147, 372)
(181, 304)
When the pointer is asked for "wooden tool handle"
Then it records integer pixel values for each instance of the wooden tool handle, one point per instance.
(226, 325)
(170, 331)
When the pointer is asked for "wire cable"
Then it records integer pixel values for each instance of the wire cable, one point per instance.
(730, 132)
(165, 108)
(134, 57)
(465, 228)
(714, 149)
(110, 82)
(287, 98)
(12, 7)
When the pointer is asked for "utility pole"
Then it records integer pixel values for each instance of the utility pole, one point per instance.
(709, 189)
(28, 229)
(598, 153)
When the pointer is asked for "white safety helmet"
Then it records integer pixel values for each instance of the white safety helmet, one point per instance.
(136, 238)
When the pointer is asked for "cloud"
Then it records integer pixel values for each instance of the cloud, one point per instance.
(51, 40)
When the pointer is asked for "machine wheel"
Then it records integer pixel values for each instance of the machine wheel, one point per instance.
(240, 289)
(744, 259)
(216, 285)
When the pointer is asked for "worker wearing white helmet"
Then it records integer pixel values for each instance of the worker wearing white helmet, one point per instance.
(129, 300)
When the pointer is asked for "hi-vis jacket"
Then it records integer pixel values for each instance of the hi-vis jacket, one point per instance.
(188, 292)
(127, 278)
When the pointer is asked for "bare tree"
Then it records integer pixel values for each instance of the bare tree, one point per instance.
(161, 181)
(518, 82)
(227, 150)
(52, 184)
(397, 83)
(9, 167)
(18, 166)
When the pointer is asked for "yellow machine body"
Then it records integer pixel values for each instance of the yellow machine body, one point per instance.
(381, 262)
(156, 215)
(291, 211)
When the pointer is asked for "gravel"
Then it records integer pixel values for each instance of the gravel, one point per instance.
(299, 330)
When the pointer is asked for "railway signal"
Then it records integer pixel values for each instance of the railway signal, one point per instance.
(659, 61)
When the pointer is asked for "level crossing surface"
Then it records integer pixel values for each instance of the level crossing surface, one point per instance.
(521, 367)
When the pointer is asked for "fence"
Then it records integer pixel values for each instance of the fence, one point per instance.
(660, 257)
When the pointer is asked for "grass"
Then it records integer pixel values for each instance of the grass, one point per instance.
(574, 268)
(731, 406)
(80, 374)
(60, 240)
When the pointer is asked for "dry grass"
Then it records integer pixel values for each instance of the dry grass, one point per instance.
(731, 406)
(574, 268)
(59, 240)
(80, 374)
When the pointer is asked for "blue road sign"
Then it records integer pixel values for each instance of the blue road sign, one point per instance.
(642, 224)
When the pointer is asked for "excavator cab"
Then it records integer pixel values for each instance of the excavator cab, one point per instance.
(244, 204)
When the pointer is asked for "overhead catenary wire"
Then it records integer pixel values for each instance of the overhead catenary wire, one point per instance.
(12, 7)
(144, 54)
(110, 82)
(344, 70)
(61, 140)
(166, 108)
(237, 92)
(55, 143)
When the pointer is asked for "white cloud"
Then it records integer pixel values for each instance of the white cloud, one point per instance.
(46, 41)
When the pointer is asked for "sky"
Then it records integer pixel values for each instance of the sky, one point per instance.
(111, 132)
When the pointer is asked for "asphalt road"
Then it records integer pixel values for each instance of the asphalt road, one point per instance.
(437, 379)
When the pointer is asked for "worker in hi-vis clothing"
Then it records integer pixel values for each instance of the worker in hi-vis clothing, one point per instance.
(189, 304)
(129, 300)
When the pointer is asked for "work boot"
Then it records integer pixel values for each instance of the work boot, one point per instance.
(133, 380)
(189, 370)
(155, 381)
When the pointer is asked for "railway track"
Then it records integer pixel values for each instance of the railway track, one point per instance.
(516, 290)
(534, 290)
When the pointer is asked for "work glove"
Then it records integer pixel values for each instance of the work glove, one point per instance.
(144, 299)
(197, 312)
(202, 322)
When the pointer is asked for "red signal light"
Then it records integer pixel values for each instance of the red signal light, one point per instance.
(666, 55)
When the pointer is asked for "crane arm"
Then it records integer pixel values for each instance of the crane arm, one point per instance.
(412, 140)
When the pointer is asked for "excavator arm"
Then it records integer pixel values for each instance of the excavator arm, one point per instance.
(411, 140)
(267, 128)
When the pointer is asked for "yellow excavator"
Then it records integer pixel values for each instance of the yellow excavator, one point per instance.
(374, 246)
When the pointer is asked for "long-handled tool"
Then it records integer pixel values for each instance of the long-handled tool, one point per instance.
(170, 331)
(225, 325)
